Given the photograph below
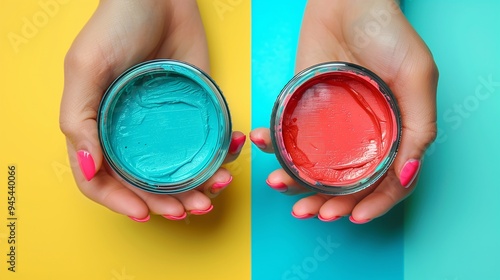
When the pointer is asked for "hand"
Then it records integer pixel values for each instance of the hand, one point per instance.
(376, 35)
(121, 34)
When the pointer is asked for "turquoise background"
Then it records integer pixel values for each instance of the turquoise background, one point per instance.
(449, 229)
(452, 221)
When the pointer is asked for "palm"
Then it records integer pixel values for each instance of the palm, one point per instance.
(119, 35)
(376, 35)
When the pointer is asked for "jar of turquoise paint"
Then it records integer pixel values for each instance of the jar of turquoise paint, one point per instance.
(164, 126)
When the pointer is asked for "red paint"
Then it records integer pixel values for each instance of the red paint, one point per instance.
(337, 128)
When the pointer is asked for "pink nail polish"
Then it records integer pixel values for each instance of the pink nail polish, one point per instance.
(218, 186)
(334, 218)
(202, 212)
(259, 143)
(86, 163)
(359, 222)
(302, 217)
(143, 220)
(237, 144)
(175, 218)
(409, 172)
(277, 186)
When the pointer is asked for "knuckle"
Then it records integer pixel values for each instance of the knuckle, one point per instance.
(75, 59)
(84, 60)
(432, 134)
(66, 127)
(429, 66)
(427, 137)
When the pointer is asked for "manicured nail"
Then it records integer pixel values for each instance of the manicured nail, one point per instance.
(409, 172)
(358, 221)
(334, 218)
(143, 220)
(175, 218)
(302, 217)
(219, 186)
(86, 163)
(278, 186)
(259, 143)
(201, 212)
(237, 144)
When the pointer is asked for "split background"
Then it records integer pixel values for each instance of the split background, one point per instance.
(448, 230)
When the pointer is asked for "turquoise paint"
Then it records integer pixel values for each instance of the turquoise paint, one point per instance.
(162, 129)
(165, 127)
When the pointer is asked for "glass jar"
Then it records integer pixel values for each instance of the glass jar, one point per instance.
(336, 128)
(164, 126)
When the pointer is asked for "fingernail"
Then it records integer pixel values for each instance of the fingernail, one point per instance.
(302, 217)
(358, 221)
(277, 186)
(201, 212)
(143, 220)
(175, 218)
(237, 144)
(219, 186)
(259, 143)
(334, 218)
(409, 172)
(86, 163)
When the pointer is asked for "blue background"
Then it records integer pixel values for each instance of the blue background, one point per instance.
(452, 221)
(449, 229)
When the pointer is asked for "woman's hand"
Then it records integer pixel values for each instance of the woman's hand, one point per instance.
(376, 35)
(122, 33)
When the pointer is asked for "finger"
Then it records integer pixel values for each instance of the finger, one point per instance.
(217, 183)
(382, 199)
(416, 96)
(280, 181)
(105, 47)
(193, 49)
(403, 60)
(195, 202)
(237, 141)
(339, 206)
(109, 192)
(308, 207)
(165, 205)
(261, 137)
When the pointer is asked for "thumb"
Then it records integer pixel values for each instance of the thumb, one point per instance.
(403, 60)
(106, 46)
(78, 114)
(415, 90)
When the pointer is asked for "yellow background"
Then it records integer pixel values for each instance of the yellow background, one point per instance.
(63, 235)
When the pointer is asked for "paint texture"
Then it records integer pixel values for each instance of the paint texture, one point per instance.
(337, 128)
(164, 127)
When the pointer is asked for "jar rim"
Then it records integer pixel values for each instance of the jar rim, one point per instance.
(298, 81)
(224, 125)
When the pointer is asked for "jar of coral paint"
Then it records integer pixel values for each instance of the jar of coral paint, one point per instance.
(336, 128)
(164, 126)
